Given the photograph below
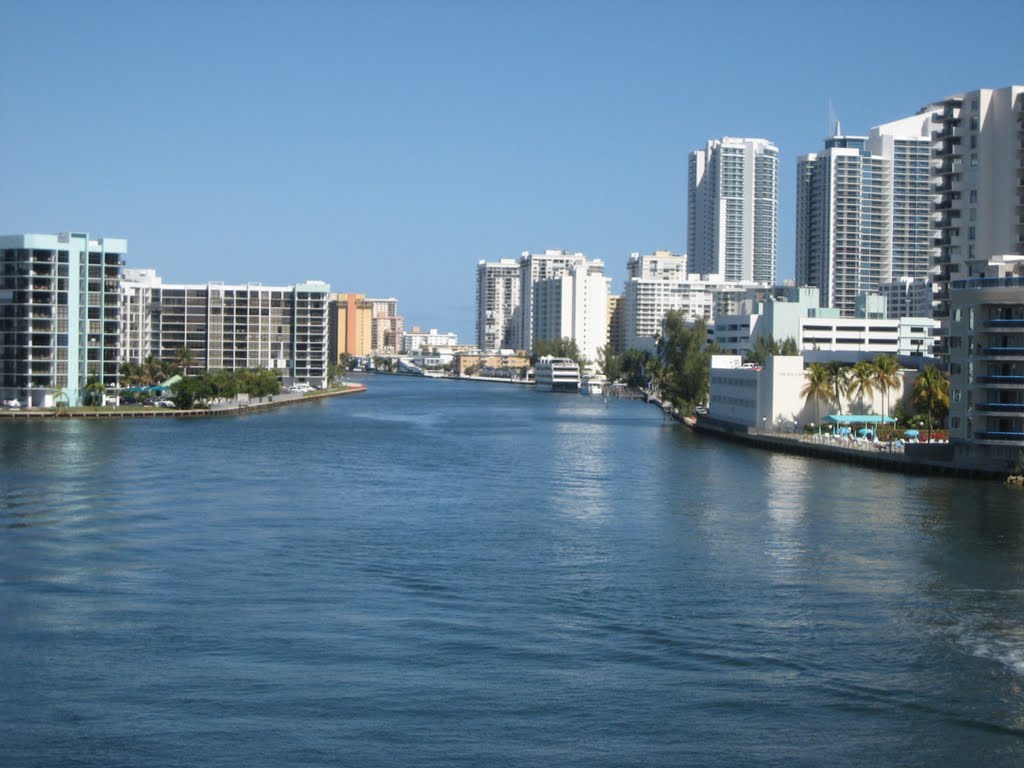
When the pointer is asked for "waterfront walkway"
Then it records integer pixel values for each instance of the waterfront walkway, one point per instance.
(224, 408)
(911, 458)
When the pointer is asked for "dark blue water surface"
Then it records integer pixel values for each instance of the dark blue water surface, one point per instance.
(452, 574)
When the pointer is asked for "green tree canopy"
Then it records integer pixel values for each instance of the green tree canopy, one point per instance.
(838, 381)
(766, 346)
(686, 361)
(931, 392)
(563, 347)
(887, 376)
(817, 386)
(861, 382)
(609, 363)
(639, 367)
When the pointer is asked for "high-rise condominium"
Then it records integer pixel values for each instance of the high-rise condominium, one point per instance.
(732, 216)
(230, 327)
(864, 212)
(574, 305)
(537, 267)
(497, 302)
(979, 179)
(59, 315)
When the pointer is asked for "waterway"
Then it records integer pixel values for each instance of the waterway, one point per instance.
(438, 573)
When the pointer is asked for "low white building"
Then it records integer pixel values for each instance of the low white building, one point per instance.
(416, 340)
(822, 334)
(769, 398)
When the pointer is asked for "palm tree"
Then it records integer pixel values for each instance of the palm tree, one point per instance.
(862, 381)
(93, 391)
(887, 376)
(817, 386)
(838, 381)
(931, 391)
(184, 359)
(60, 397)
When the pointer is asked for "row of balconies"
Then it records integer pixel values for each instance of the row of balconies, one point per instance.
(1000, 409)
(1007, 380)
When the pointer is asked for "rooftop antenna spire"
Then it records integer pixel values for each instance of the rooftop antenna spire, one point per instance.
(834, 128)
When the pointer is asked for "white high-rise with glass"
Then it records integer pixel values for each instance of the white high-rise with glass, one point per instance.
(864, 212)
(732, 214)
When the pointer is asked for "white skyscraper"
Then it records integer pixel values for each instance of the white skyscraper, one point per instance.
(732, 216)
(533, 268)
(498, 299)
(574, 305)
(979, 179)
(863, 212)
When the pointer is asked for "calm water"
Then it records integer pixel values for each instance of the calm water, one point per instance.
(438, 574)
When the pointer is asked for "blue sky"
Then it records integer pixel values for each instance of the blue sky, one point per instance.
(386, 147)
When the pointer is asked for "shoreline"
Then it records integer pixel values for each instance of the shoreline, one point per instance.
(273, 401)
(916, 459)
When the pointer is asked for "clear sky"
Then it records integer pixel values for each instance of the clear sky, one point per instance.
(387, 146)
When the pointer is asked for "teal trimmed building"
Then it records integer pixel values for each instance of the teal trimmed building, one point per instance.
(59, 315)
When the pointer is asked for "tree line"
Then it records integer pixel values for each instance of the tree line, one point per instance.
(831, 382)
(196, 391)
(680, 370)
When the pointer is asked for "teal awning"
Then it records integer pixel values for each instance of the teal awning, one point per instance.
(866, 418)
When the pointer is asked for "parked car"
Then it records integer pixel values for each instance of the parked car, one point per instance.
(13, 404)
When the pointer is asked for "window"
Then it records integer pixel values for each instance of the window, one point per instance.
(972, 196)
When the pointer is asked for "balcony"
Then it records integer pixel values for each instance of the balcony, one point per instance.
(1001, 437)
(1009, 323)
(1001, 408)
(1001, 381)
(1002, 351)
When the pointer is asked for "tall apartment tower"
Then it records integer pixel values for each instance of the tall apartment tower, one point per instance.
(732, 216)
(351, 326)
(978, 153)
(498, 298)
(59, 315)
(574, 305)
(533, 268)
(863, 212)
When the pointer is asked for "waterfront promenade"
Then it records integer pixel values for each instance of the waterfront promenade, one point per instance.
(911, 458)
(224, 408)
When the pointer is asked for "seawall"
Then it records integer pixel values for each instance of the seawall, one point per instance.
(261, 404)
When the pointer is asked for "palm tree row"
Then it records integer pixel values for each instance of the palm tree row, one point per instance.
(833, 381)
(931, 392)
(154, 370)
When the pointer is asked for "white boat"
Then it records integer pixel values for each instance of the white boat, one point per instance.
(557, 374)
(594, 385)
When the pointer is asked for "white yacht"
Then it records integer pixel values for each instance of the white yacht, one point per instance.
(557, 374)
(595, 385)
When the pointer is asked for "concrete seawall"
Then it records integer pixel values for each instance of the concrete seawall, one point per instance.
(924, 459)
(274, 401)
